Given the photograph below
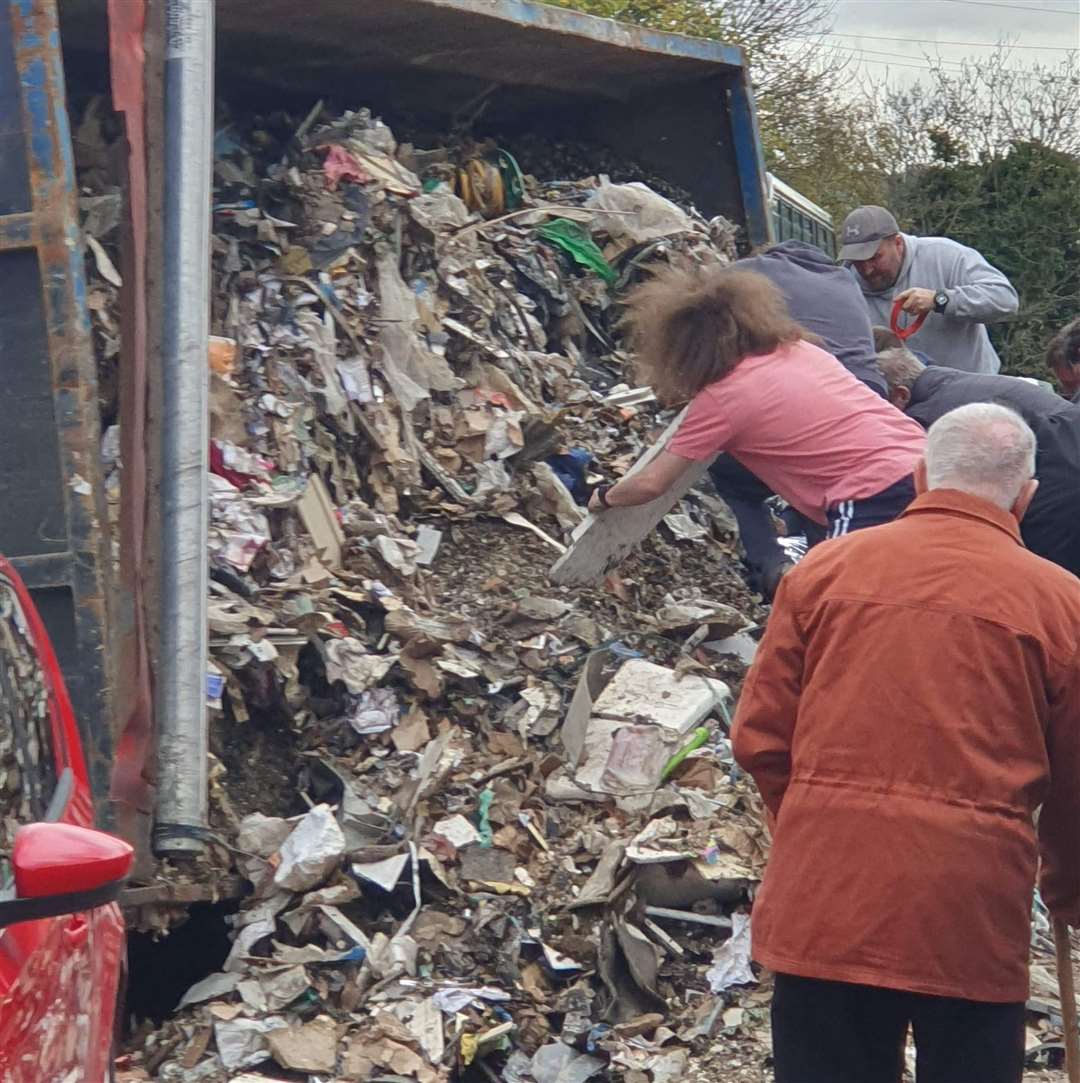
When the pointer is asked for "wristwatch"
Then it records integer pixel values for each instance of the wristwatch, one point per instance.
(601, 495)
(941, 299)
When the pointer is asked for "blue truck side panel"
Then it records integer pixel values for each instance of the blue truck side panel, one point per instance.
(750, 159)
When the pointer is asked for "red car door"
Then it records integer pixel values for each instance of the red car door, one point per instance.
(58, 976)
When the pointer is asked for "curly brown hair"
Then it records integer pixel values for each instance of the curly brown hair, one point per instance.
(691, 327)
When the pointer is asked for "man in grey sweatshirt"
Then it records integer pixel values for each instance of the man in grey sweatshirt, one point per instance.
(953, 284)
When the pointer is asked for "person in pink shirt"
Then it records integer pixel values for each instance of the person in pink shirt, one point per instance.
(762, 392)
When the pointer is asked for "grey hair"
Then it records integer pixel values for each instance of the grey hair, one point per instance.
(983, 449)
(900, 367)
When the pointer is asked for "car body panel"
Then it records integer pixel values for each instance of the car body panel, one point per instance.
(58, 976)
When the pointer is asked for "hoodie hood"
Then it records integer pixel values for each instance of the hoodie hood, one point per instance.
(805, 255)
(822, 298)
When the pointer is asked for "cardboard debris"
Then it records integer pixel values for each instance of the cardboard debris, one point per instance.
(633, 727)
(210, 988)
(720, 619)
(385, 873)
(456, 830)
(438, 768)
(308, 1048)
(242, 1043)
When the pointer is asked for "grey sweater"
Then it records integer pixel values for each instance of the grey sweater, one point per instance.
(822, 298)
(978, 294)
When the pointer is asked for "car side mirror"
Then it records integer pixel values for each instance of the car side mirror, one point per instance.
(64, 869)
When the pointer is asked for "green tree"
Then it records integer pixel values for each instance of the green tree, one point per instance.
(815, 137)
(831, 152)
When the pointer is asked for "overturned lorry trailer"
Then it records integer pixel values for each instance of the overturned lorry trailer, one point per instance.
(679, 109)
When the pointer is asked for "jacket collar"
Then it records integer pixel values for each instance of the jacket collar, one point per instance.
(930, 380)
(965, 506)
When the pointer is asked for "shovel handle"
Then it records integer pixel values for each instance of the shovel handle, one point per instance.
(906, 332)
(1067, 988)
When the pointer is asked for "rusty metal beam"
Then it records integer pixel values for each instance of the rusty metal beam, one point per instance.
(16, 231)
(54, 526)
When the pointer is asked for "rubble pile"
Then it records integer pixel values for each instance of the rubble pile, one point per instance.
(492, 827)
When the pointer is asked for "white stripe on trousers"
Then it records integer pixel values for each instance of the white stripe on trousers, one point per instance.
(845, 512)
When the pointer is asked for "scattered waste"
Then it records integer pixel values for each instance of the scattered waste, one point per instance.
(488, 822)
(731, 963)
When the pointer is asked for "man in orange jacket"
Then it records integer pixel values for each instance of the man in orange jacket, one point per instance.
(915, 700)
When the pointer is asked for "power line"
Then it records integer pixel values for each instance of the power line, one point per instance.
(954, 67)
(856, 55)
(931, 41)
(1015, 7)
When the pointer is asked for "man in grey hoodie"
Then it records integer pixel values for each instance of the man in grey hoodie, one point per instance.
(958, 290)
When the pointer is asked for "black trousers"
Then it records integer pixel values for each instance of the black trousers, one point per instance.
(832, 1032)
(874, 510)
(745, 494)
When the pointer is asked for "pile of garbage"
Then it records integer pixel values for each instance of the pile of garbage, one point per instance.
(492, 826)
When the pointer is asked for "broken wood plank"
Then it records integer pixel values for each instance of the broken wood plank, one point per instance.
(448, 482)
(517, 519)
(504, 768)
(603, 541)
(319, 516)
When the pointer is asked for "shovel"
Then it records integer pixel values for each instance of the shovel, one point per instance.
(1067, 988)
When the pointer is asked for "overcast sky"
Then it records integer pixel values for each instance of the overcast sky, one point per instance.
(1049, 27)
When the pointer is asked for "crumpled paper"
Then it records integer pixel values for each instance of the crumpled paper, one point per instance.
(731, 961)
(242, 1043)
(311, 852)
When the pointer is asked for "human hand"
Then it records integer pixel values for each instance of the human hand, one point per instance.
(917, 301)
(595, 504)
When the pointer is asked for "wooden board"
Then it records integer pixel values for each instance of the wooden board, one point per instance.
(603, 541)
(320, 520)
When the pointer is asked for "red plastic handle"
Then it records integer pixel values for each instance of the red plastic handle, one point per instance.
(905, 332)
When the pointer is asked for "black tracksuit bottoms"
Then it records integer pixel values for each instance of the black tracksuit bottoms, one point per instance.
(833, 1032)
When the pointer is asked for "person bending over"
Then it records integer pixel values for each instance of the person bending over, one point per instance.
(1051, 527)
(784, 408)
(822, 298)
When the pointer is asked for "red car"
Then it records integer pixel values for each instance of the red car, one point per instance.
(61, 933)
